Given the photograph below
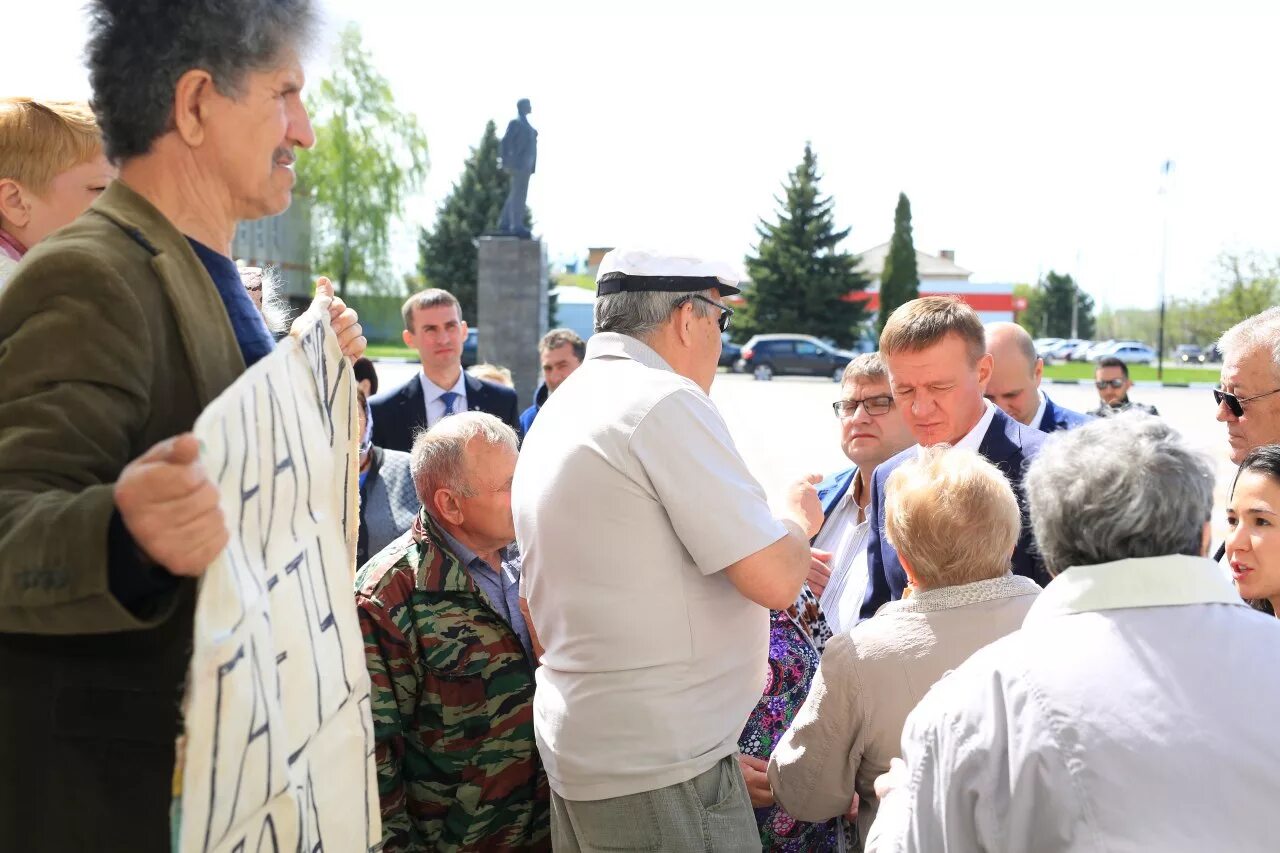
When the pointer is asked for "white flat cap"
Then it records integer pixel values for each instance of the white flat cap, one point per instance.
(635, 269)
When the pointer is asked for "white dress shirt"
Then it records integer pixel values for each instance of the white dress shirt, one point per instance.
(431, 395)
(1044, 405)
(845, 534)
(1134, 710)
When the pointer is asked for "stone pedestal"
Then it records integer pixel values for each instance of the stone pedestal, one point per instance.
(512, 308)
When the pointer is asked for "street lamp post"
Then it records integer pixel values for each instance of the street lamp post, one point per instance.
(1165, 190)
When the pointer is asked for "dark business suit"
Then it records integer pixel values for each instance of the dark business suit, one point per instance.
(1009, 446)
(399, 414)
(1057, 418)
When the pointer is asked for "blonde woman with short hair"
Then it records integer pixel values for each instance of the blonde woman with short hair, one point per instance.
(954, 521)
(52, 167)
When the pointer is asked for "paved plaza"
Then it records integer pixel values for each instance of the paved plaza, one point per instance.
(785, 428)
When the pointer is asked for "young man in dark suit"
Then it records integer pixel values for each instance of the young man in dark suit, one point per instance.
(433, 325)
(936, 353)
(1015, 381)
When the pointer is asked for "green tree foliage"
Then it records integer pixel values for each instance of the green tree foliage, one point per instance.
(1050, 305)
(1246, 284)
(368, 157)
(800, 278)
(899, 282)
(447, 254)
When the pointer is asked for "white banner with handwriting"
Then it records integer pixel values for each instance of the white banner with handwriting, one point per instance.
(277, 753)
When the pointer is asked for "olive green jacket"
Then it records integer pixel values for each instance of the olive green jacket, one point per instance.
(112, 338)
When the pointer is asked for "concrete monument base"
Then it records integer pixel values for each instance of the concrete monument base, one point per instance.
(512, 308)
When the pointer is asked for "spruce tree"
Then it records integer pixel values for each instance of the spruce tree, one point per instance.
(447, 255)
(800, 280)
(899, 282)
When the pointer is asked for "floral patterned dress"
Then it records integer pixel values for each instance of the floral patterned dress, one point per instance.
(793, 662)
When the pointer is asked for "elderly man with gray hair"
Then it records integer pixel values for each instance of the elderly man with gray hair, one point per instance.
(651, 562)
(118, 330)
(1137, 671)
(450, 658)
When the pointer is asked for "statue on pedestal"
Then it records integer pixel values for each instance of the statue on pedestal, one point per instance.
(519, 151)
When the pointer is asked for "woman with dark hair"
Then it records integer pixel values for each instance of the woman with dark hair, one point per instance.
(1253, 514)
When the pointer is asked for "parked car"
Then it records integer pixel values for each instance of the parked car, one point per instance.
(1189, 354)
(1044, 345)
(1096, 351)
(1063, 349)
(729, 352)
(1132, 352)
(471, 348)
(766, 356)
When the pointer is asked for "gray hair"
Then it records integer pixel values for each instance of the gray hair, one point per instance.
(138, 49)
(1260, 330)
(640, 313)
(1118, 488)
(439, 456)
(268, 285)
(868, 367)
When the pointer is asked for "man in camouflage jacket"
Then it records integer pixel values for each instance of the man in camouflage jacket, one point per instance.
(452, 690)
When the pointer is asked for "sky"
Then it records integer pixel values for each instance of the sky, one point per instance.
(1026, 140)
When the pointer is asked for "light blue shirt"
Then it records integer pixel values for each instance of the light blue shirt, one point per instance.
(431, 393)
(501, 589)
(1134, 710)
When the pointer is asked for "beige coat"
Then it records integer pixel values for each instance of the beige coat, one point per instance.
(870, 678)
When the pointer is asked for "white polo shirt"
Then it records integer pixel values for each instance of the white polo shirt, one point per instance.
(630, 499)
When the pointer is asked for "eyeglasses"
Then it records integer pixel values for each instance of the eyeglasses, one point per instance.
(878, 405)
(725, 311)
(1109, 383)
(1235, 404)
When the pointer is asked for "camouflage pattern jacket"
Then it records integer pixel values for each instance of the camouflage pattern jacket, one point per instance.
(452, 706)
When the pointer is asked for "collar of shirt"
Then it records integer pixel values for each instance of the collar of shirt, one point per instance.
(431, 391)
(973, 440)
(1168, 581)
(10, 247)
(469, 558)
(1044, 405)
(947, 597)
(614, 345)
(854, 494)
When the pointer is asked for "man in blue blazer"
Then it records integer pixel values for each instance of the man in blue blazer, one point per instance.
(939, 367)
(434, 327)
(1015, 381)
(872, 431)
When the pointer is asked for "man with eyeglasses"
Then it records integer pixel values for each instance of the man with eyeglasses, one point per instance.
(651, 561)
(1111, 377)
(871, 432)
(1248, 398)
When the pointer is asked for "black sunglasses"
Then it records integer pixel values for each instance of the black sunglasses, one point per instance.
(1109, 383)
(1235, 404)
(725, 311)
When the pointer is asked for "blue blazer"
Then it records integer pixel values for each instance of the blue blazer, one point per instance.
(835, 487)
(399, 414)
(1009, 446)
(1056, 418)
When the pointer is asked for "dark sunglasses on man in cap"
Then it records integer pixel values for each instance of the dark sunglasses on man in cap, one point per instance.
(725, 311)
(1235, 404)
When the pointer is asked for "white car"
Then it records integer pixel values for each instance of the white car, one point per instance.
(1131, 352)
(1044, 345)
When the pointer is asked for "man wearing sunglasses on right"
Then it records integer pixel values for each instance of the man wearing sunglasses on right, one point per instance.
(1111, 376)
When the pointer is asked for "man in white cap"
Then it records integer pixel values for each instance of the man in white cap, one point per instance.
(651, 559)
(1015, 381)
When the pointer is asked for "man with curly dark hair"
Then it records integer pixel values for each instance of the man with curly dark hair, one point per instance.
(114, 334)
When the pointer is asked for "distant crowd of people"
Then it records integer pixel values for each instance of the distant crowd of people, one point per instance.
(1003, 627)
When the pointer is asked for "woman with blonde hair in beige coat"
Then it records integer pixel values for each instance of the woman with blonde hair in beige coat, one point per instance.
(954, 521)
